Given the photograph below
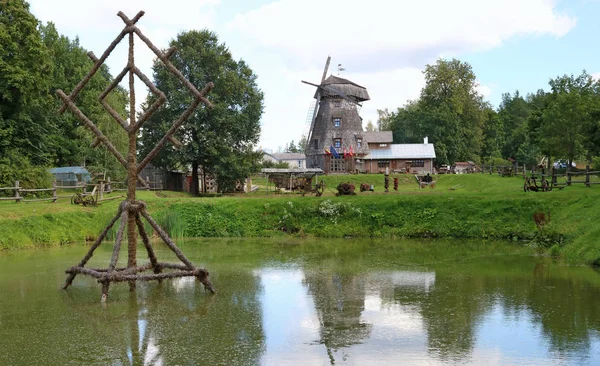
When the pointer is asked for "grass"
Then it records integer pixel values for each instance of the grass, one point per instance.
(460, 206)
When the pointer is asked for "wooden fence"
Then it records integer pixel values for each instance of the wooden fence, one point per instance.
(568, 176)
(18, 197)
(100, 189)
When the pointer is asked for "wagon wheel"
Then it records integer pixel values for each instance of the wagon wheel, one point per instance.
(76, 199)
(545, 186)
(89, 200)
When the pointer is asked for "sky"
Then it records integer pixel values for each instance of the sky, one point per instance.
(383, 45)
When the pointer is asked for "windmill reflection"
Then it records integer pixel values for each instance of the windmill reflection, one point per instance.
(339, 300)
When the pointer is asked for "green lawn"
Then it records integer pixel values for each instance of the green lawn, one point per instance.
(460, 206)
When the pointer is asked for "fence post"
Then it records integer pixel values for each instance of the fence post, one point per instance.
(524, 172)
(587, 175)
(54, 196)
(101, 189)
(568, 178)
(147, 183)
(17, 195)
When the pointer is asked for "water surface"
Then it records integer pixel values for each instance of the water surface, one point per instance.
(280, 301)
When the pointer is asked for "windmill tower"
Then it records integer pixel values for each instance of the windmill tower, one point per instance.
(336, 123)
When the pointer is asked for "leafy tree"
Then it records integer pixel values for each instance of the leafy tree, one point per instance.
(450, 92)
(24, 70)
(35, 60)
(405, 123)
(70, 139)
(449, 111)
(218, 139)
(383, 120)
(291, 147)
(370, 126)
(514, 112)
(569, 117)
(493, 136)
(302, 144)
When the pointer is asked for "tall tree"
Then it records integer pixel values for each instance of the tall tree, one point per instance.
(449, 111)
(568, 120)
(406, 123)
(69, 139)
(514, 112)
(302, 144)
(493, 135)
(370, 126)
(291, 147)
(24, 75)
(216, 138)
(383, 120)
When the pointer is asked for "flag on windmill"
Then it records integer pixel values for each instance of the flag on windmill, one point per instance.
(351, 152)
(334, 152)
(327, 152)
(345, 153)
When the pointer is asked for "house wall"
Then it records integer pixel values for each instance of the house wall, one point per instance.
(267, 157)
(397, 166)
(293, 163)
(375, 146)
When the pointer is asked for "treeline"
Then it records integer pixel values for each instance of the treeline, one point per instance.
(35, 61)
(562, 123)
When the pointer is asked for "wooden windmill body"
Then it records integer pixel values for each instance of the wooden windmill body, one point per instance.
(336, 123)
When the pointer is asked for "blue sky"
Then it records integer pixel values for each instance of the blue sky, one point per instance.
(383, 45)
(526, 63)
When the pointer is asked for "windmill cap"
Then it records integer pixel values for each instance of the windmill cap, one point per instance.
(345, 86)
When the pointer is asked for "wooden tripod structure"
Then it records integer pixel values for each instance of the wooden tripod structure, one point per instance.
(131, 211)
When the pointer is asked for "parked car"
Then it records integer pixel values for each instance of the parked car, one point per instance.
(562, 164)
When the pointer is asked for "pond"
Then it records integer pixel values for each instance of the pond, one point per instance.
(307, 302)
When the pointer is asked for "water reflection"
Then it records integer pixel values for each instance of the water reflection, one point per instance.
(348, 303)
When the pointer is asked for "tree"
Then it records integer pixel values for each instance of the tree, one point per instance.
(405, 122)
(24, 75)
(383, 120)
(493, 136)
(218, 139)
(302, 144)
(449, 111)
(291, 147)
(35, 61)
(370, 127)
(70, 140)
(569, 117)
(514, 112)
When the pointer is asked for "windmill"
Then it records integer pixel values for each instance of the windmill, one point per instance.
(335, 122)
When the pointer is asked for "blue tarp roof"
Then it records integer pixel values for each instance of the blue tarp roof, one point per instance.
(70, 169)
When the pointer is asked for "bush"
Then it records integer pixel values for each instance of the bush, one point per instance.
(15, 167)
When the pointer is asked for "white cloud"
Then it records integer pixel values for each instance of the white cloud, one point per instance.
(382, 34)
(484, 90)
(596, 75)
(383, 44)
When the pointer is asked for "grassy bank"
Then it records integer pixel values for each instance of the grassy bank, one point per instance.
(460, 206)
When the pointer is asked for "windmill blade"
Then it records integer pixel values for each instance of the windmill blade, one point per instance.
(314, 117)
